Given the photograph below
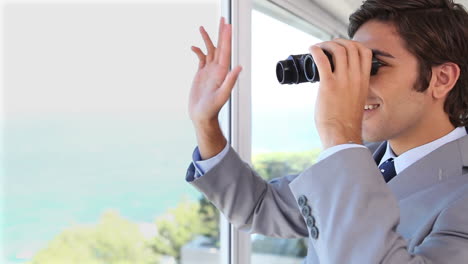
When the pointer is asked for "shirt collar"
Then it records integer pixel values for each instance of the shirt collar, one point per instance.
(409, 157)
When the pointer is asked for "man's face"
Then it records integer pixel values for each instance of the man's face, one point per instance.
(401, 110)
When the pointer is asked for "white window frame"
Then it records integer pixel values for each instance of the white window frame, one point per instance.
(236, 119)
(312, 12)
(241, 109)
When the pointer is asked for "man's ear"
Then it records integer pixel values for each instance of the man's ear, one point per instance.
(444, 78)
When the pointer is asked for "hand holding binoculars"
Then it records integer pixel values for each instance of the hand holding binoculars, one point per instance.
(302, 68)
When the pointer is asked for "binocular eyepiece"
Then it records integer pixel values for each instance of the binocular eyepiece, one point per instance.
(302, 68)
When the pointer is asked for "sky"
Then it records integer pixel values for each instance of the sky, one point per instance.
(75, 61)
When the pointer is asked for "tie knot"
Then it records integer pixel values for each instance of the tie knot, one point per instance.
(388, 169)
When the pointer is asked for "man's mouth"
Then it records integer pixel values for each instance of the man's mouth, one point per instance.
(371, 106)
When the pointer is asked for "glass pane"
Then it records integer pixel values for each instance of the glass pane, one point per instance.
(284, 139)
(97, 138)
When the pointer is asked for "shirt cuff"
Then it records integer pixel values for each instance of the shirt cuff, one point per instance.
(332, 150)
(203, 166)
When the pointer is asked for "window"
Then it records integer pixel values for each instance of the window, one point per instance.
(97, 135)
(284, 138)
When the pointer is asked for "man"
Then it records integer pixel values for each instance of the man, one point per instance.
(350, 203)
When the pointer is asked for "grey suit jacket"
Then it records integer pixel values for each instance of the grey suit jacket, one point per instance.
(420, 216)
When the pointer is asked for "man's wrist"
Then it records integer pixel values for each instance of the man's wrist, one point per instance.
(338, 133)
(208, 124)
(331, 142)
(335, 138)
(210, 138)
(332, 150)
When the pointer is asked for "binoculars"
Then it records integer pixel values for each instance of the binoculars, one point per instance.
(302, 68)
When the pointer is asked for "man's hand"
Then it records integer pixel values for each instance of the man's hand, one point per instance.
(210, 90)
(342, 94)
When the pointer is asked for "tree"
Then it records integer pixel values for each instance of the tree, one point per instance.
(278, 164)
(209, 215)
(178, 227)
(113, 240)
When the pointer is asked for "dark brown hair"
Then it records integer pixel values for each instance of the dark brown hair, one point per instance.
(435, 31)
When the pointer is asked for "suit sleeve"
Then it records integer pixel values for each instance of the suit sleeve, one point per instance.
(248, 201)
(356, 216)
(205, 165)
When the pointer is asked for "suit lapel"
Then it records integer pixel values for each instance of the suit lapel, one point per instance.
(444, 163)
(464, 150)
(379, 152)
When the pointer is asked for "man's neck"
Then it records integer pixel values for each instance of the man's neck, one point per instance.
(420, 135)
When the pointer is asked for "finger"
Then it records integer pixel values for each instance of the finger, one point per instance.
(221, 40)
(226, 88)
(365, 55)
(201, 56)
(322, 62)
(338, 53)
(224, 51)
(353, 58)
(209, 44)
(366, 63)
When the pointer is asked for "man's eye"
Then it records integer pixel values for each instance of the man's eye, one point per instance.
(382, 63)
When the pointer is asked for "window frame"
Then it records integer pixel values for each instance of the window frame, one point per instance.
(236, 117)
(236, 120)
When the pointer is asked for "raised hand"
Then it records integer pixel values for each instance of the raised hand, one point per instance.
(342, 93)
(213, 82)
(210, 90)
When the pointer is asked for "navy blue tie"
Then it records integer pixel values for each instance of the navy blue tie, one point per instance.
(388, 169)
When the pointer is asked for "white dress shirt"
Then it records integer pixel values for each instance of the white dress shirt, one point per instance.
(401, 162)
(411, 156)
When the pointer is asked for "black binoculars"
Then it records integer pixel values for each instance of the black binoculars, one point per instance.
(302, 68)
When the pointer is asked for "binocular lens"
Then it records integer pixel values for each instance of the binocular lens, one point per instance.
(291, 71)
(297, 69)
(285, 72)
(310, 69)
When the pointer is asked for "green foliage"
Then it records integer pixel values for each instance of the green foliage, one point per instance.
(278, 164)
(113, 240)
(277, 246)
(178, 227)
(209, 215)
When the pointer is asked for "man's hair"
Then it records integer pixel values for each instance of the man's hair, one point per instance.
(435, 31)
